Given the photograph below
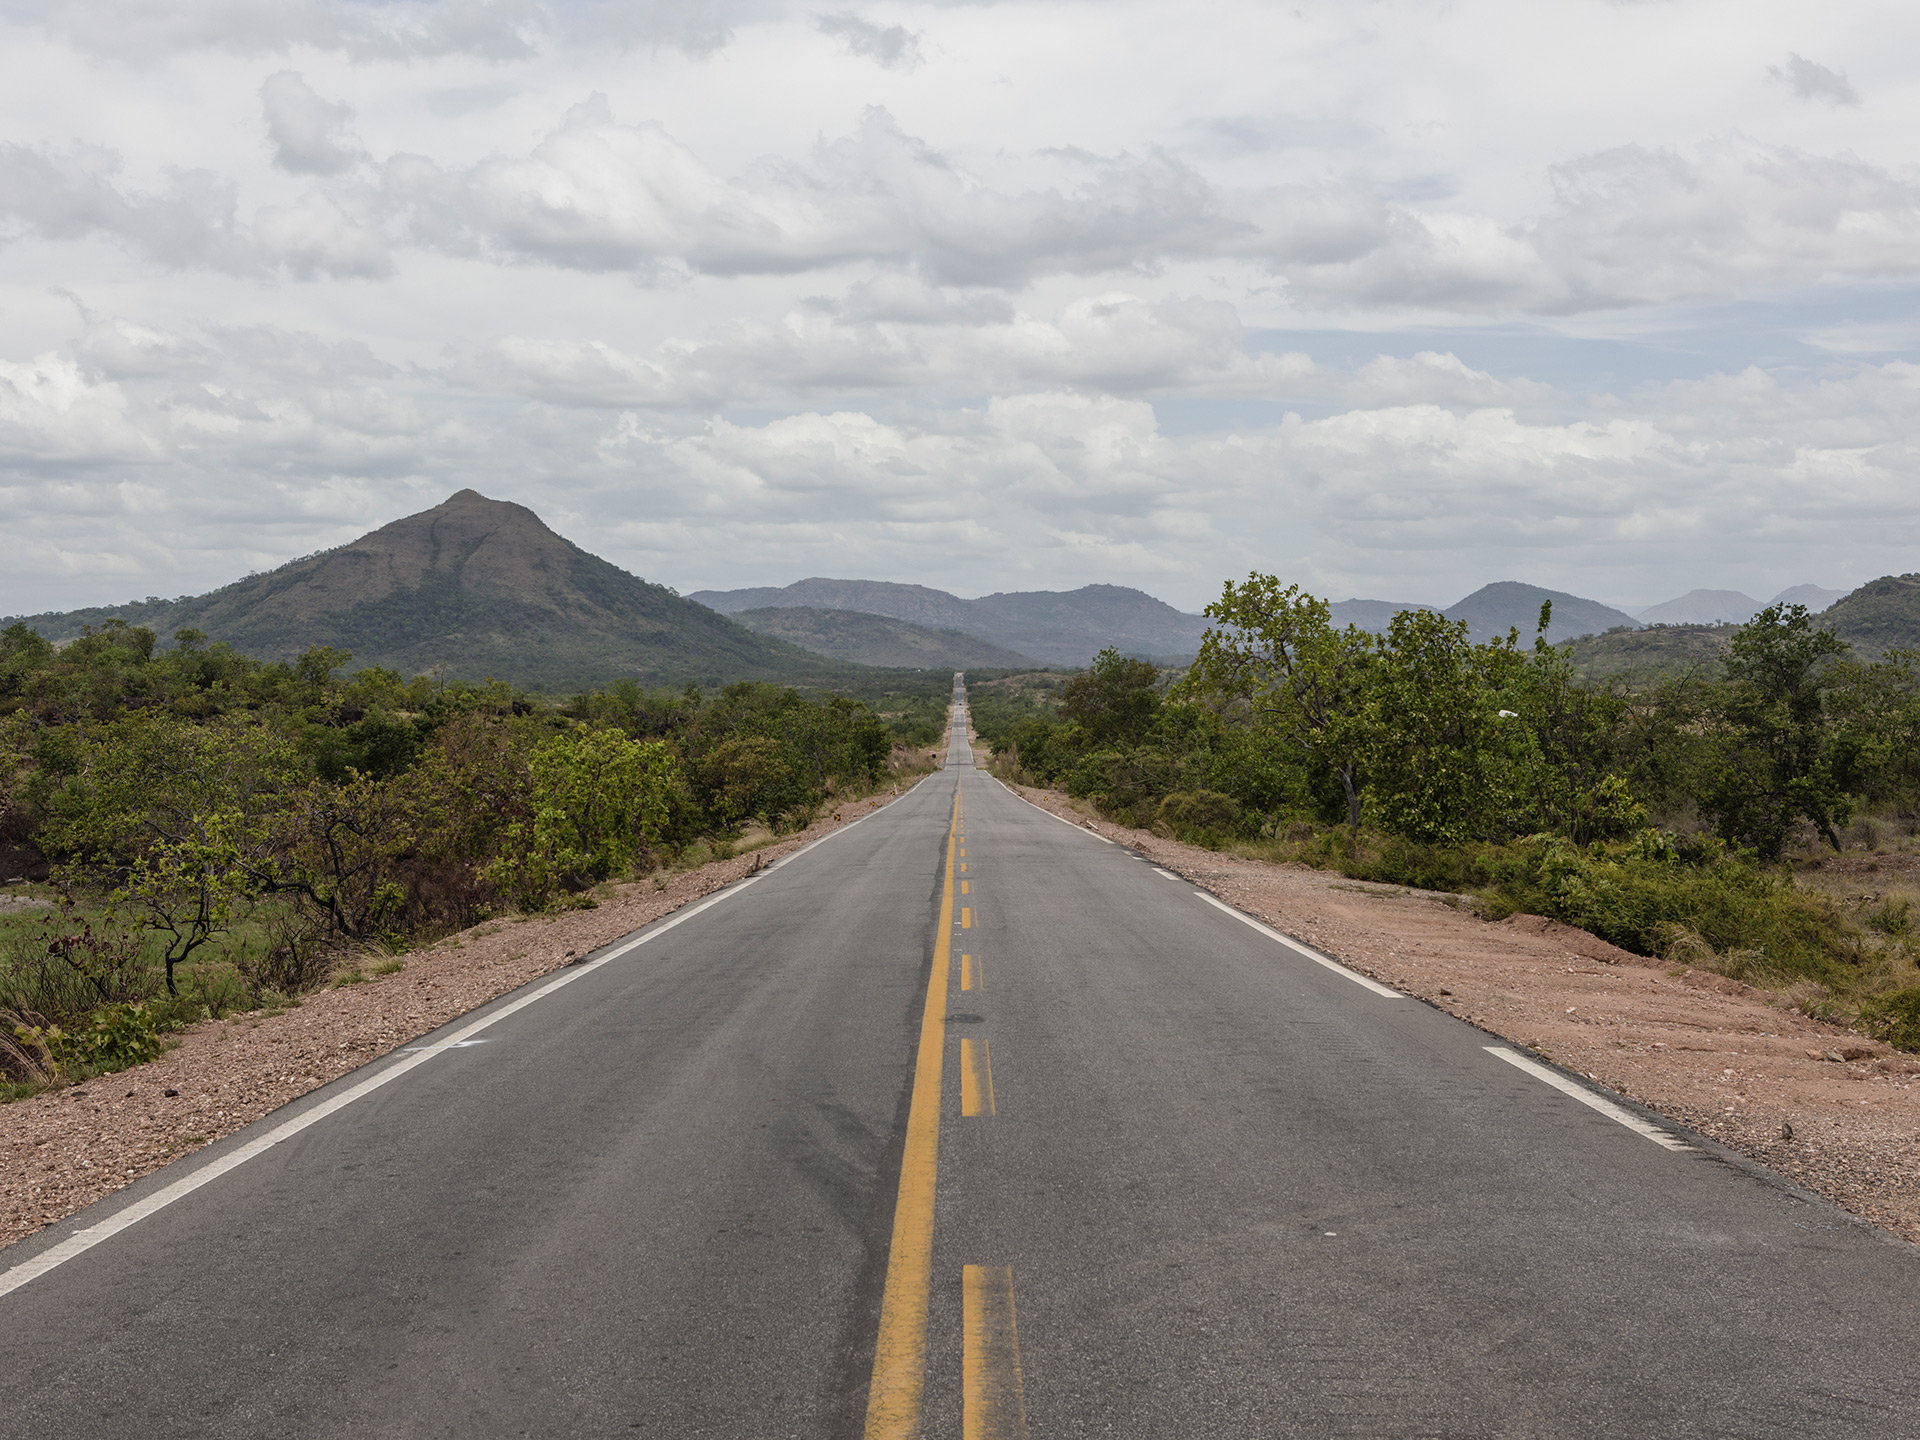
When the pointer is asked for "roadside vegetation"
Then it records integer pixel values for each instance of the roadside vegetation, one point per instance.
(206, 833)
(1746, 818)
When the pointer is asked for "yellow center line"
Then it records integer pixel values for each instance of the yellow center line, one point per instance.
(976, 1078)
(900, 1353)
(969, 973)
(966, 916)
(994, 1404)
(966, 887)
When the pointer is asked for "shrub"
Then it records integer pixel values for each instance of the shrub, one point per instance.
(1894, 1018)
(1199, 816)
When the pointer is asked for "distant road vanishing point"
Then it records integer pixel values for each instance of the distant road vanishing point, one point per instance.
(961, 1122)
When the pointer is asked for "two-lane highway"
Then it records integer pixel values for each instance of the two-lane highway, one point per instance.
(966, 1122)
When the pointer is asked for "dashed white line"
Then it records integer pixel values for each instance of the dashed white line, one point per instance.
(1165, 874)
(1297, 947)
(1592, 1101)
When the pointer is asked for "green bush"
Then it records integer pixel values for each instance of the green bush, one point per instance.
(1200, 816)
(1894, 1018)
(113, 1038)
(1632, 895)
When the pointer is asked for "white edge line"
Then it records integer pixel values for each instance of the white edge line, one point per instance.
(1165, 874)
(1298, 948)
(82, 1241)
(1048, 813)
(1589, 1099)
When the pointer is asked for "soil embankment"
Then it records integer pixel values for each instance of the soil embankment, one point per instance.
(1818, 1104)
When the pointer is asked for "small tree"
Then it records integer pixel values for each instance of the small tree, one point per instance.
(1275, 657)
(1778, 761)
(1442, 756)
(1114, 700)
(178, 819)
(596, 798)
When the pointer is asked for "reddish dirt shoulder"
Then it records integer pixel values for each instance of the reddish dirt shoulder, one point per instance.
(67, 1148)
(1827, 1108)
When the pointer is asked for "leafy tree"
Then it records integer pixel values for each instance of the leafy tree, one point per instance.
(1778, 761)
(744, 777)
(1441, 755)
(1114, 700)
(1274, 658)
(596, 798)
(178, 819)
(1566, 781)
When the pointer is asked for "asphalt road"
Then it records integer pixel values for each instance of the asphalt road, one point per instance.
(1166, 1176)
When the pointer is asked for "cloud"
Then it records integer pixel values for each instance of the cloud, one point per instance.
(1112, 342)
(310, 136)
(1630, 226)
(597, 194)
(892, 47)
(72, 194)
(53, 412)
(1815, 82)
(131, 30)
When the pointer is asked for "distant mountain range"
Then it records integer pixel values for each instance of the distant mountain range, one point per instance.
(476, 588)
(1730, 607)
(880, 640)
(1507, 604)
(1055, 627)
(1494, 609)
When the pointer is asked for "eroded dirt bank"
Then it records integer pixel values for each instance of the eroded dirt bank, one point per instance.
(1825, 1107)
(67, 1148)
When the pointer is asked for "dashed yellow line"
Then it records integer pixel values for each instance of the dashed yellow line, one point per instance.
(993, 1398)
(969, 973)
(976, 1078)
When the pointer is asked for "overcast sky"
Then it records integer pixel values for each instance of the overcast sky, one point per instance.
(1391, 299)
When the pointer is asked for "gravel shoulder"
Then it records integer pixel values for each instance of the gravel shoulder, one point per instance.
(62, 1150)
(1818, 1104)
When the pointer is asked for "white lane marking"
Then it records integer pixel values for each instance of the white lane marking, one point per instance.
(84, 1240)
(1586, 1097)
(1165, 874)
(455, 1045)
(1295, 945)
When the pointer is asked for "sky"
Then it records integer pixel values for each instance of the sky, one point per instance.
(1388, 299)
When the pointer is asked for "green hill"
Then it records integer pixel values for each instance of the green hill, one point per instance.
(1646, 657)
(1881, 615)
(474, 588)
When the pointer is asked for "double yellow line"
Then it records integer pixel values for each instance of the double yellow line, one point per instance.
(994, 1406)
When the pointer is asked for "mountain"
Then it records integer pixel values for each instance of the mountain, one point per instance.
(1374, 615)
(1881, 615)
(1056, 627)
(1507, 604)
(480, 587)
(1704, 607)
(916, 604)
(1811, 596)
(880, 640)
